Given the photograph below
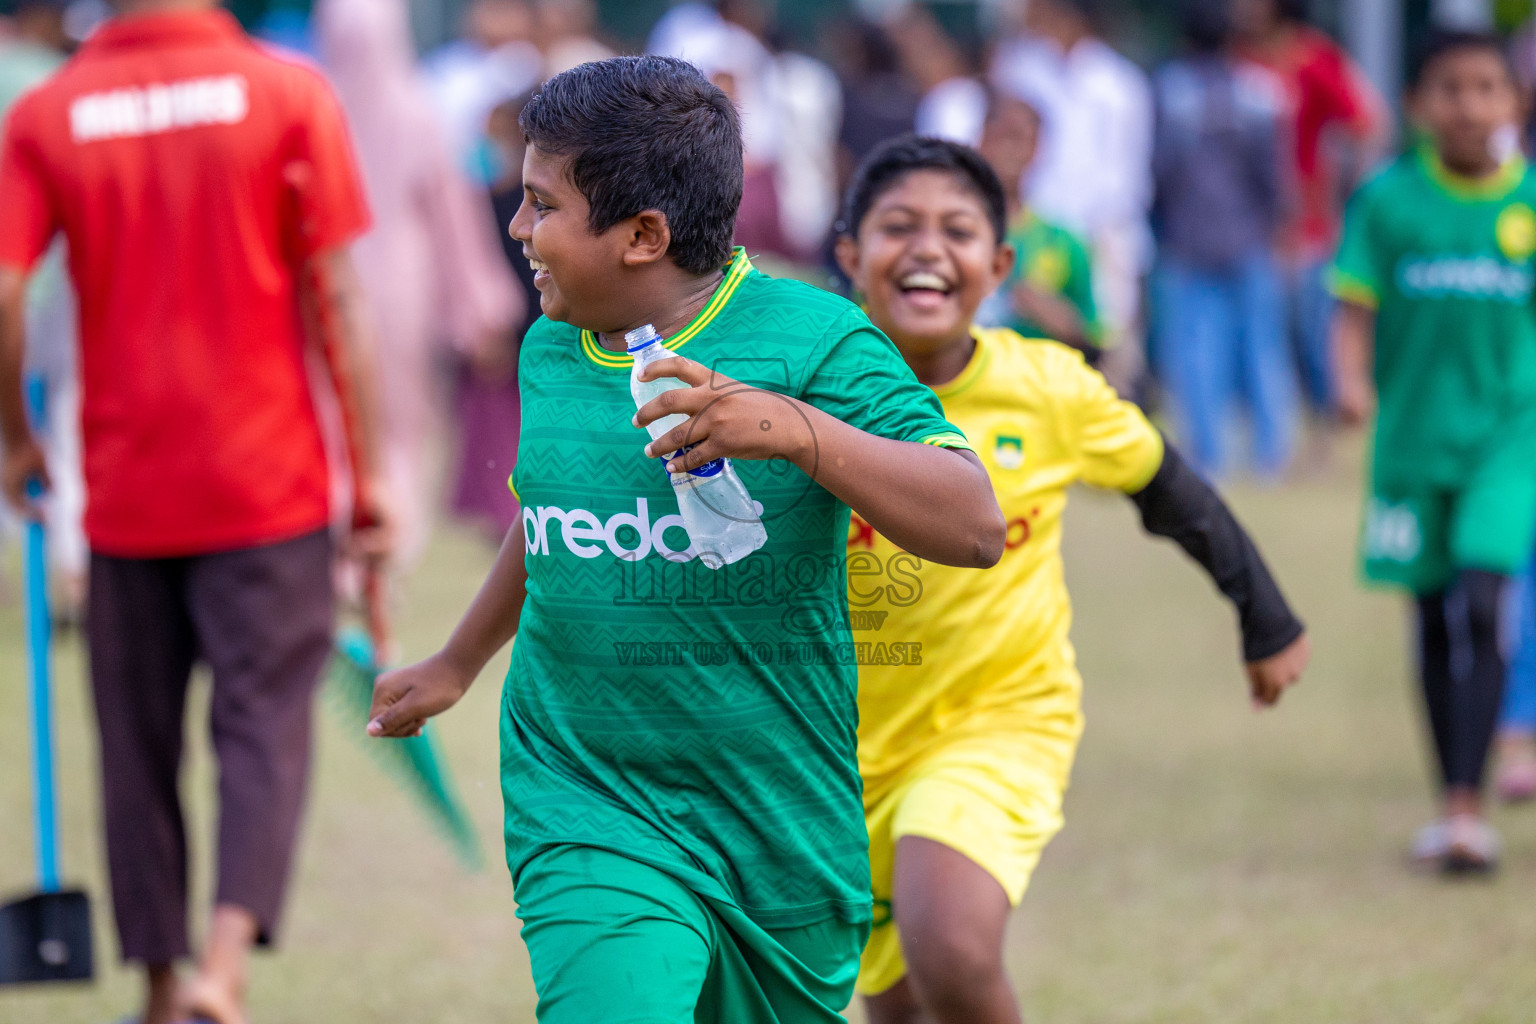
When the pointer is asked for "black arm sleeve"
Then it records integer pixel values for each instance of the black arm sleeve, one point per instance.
(1179, 505)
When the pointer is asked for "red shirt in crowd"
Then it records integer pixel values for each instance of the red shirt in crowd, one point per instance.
(1324, 89)
(192, 174)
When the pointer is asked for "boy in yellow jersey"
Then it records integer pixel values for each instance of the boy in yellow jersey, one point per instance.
(966, 755)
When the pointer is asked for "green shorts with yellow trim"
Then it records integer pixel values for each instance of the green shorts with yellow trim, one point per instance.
(1419, 536)
(615, 941)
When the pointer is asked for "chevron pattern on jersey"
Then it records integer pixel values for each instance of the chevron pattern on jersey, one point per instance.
(703, 721)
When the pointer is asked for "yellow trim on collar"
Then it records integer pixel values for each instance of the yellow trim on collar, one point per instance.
(736, 272)
(1495, 186)
(974, 368)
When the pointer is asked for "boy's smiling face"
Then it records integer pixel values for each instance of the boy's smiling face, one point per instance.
(924, 257)
(573, 267)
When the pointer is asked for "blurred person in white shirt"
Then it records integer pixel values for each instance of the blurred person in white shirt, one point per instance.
(567, 35)
(954, 103)
(683, 24)
(790, 107)
(431, 268)
(495, 60)
(1093, 172)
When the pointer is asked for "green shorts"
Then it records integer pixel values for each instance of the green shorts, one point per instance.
(616, 941)
(1418, 537)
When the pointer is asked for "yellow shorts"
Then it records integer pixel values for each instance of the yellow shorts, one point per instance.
(977, 796)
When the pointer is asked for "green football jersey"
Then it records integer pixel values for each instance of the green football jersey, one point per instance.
(702, 721)
(1054, 260)
(1446, 264)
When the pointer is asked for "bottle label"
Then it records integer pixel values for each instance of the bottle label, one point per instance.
(705, 471)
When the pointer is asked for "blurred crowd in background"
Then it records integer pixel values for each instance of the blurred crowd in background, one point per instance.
(1173, 215)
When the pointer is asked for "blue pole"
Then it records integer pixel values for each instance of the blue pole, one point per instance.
(38, 639)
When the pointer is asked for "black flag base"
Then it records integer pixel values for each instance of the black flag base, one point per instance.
(46, 937)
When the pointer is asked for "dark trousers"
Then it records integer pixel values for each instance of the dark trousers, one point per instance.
(261, 618)
(1462, 671)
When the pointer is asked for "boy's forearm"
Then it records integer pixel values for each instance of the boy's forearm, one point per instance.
(936, 503)
(1177, 504)
(493, 615)
(1353, 346)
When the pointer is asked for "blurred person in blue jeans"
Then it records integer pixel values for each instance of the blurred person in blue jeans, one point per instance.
(1338, 128)
(1516, 780)
(1218, 205)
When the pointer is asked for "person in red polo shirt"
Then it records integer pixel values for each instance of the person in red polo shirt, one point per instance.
(208, 194)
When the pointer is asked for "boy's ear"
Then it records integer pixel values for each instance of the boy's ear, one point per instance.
(1002, 264)
(846, 250)
(648, 237)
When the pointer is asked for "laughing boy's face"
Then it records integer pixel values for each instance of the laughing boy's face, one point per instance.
(924, 259)
(573, 268)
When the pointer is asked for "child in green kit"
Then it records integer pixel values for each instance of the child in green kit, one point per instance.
(1049, 293)
(1434, 280)
(683, 816)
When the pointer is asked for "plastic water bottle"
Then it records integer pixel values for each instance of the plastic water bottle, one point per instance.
(720, 516)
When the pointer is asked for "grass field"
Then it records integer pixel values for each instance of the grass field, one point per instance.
(1218, 865)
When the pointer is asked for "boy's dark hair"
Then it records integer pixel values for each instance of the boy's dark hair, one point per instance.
(1441, 43)
(647, 133)
(893, 160)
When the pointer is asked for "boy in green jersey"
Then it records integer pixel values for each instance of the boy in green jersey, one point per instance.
(683, 816)
(1434, 277)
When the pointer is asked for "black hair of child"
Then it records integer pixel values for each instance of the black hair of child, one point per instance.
(893, 160)
(647, 133)
(1441, 43)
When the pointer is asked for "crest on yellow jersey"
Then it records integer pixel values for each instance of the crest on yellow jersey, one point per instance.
(1515, 231)
(1008, 451)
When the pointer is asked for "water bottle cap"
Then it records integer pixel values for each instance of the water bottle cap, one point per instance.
(640, 337)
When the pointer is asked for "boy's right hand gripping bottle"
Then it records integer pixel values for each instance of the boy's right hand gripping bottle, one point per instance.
(719, 514)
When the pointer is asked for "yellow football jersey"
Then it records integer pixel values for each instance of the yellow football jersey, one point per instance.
(950, 653)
